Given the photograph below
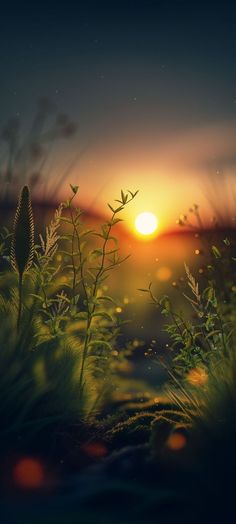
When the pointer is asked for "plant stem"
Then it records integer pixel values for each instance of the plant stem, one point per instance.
(90, 313)
(19, 302)
(103, 258)
(76, 234)
(95, 287)
(73, 258)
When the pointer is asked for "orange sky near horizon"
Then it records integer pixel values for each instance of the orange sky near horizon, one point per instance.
(171, 172)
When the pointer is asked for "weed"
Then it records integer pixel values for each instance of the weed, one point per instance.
(202, 343)
(22, 247)
(57, 366)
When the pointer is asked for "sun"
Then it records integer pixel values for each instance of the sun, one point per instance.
(146, 223)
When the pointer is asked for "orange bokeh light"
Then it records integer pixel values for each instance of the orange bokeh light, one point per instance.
(176, 441)
(164, 273)
(197, 377)
(29, 473)
(95, 450)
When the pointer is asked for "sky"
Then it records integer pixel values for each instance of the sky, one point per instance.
(151, 84)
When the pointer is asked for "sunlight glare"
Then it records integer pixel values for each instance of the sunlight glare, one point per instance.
(146, 223)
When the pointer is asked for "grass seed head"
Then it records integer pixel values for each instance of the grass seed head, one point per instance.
(22, 247)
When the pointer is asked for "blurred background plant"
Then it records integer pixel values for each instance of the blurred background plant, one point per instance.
(26, 155)
(200, 361)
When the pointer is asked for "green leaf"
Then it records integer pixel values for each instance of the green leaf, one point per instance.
(74, 189)
(116, 220)
(124, 197)
(133, 195)
(104, 315)
(104, 228)
(226, 242)
(100, 343)
(112, 251)
(212, 333)
(37, 296)
(118, 209)
(96, 253)
(87, 232)
(107, 298)
(111, 208)
(216, 252)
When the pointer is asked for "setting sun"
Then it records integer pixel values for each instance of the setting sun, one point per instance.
(146, 223)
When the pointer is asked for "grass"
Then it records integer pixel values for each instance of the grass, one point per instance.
(202, 365)
(28, 153)
(59, 329)
(59, 361)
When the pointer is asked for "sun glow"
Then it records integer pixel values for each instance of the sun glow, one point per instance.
(146, 223)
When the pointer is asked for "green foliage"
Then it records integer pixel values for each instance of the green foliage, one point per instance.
(202, 371)
(58, 367)
(88, 270)
(208, 330)
(38, 383)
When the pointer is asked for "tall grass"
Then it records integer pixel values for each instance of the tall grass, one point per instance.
(22, 247)
(202, 365)
(27, 155)
(59, 327)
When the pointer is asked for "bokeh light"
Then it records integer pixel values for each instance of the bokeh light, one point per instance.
(176, 441)
(164, 273)
(197, 376)
(29, 473)
(95, 449)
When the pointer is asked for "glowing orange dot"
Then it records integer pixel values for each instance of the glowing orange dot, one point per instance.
(118, 310)
(176, 441)
(197, 377)
(95, 450)
(164, 274)
(28, 473)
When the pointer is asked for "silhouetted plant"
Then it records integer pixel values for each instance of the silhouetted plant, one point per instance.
(202, 344)
(22, 247)
(28, 159)
(89, 270)
(60, 367)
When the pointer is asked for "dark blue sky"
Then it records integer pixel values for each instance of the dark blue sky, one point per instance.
(169, 63)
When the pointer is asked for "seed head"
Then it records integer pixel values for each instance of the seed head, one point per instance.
(22, 247)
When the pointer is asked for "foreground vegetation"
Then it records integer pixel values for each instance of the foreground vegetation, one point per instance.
(59, 327)
(60, 357)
